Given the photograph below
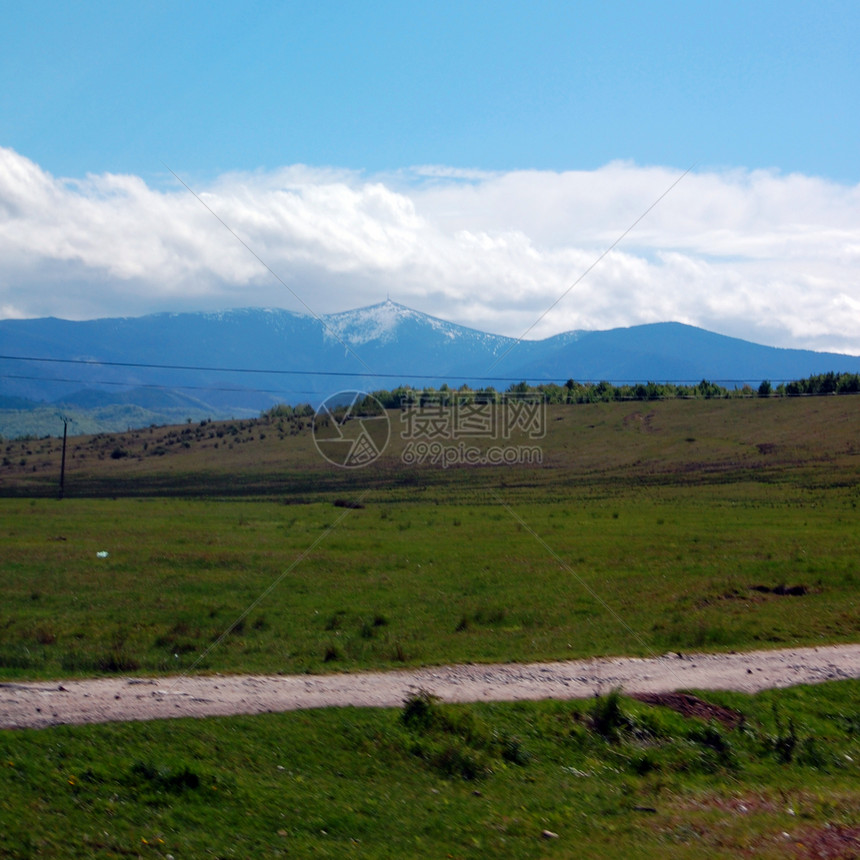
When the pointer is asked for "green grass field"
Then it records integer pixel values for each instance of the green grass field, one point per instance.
(675, 525)
(295, 588)
(610, 778)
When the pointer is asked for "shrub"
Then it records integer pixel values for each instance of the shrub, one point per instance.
(455, 761)
(607, 717)
(420, 710)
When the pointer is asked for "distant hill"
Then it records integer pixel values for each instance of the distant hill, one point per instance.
(239, 362)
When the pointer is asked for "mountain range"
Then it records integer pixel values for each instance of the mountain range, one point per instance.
(172, 366)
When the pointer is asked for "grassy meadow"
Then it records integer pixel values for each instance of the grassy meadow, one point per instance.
(696, 525)
(233, 547)
(609, 778)
(315, 587)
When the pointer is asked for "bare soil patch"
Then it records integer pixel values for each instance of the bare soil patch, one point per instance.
(830, 843)
(692, 706)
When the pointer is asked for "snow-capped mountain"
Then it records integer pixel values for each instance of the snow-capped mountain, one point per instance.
(247, 359)
(383, 322)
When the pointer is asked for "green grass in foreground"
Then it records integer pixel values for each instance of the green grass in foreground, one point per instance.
(611, 777)
(321, 588)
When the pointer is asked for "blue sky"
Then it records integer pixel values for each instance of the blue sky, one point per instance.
(212, 87)
(385, 140)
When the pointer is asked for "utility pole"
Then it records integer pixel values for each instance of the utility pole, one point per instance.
(63, 461)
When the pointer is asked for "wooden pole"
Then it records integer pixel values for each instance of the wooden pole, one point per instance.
(63, 461)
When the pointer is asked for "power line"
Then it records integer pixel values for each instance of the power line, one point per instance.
(279, 372)
(337, 373)
(328, 373)
(203, 368)
(154, 386)
(139, 365)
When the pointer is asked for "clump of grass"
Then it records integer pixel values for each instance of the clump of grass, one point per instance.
(335, 620)
(45, 635)
(117, 660)
(420, 710)
(237, 628)
(111, 661)
(608, 718)
(491, 615)
(715, 745)
(513, 751)
(370, 626)
(453, 760)
(180, 639)
(164, 783)
(485, 616)
(784, 741)
(174, 645)
(164, 778)
(454, 743)
(17, 656)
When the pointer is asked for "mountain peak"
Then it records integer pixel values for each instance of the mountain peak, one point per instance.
(379, 322)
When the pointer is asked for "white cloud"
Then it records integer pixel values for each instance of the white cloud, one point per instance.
(755, 254)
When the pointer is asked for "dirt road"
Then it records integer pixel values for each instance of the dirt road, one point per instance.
(40, 704)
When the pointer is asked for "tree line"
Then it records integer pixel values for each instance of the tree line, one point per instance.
(597, 392)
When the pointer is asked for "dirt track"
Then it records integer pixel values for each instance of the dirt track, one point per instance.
(41, 704)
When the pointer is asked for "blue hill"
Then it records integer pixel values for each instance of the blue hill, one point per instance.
(243, 361)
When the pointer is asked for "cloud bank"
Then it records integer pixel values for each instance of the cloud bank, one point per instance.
(755, 254)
